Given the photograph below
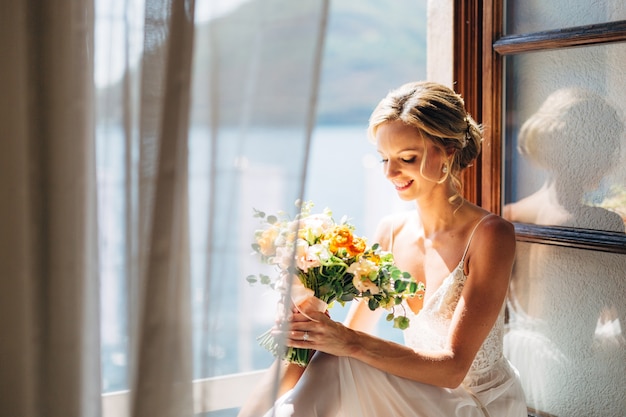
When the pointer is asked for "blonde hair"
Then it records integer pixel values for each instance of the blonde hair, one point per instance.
(439, 114)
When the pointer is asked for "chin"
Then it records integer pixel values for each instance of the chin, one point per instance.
(405, 196)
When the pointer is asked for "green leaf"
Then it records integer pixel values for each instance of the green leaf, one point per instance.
(265, 279)
(251, 279)
(324, 289)
(346, 297)
(401, 322)
(399, 285)
(271, 219)
(389, 317)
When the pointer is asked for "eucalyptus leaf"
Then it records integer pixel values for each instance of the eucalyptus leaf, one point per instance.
(400, 286)
(401, 322)
(265, 279)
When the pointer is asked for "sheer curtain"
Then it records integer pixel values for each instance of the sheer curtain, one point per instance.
(49, 362)
(134, 200)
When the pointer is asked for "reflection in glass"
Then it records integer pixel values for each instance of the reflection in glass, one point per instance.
(565, 167)
(575, 137)
(535, 16)
(586, 131)
(566, 329)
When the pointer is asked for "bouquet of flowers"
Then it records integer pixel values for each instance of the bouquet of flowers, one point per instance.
(323, 262)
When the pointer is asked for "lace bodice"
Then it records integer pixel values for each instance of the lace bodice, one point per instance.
(428, 330)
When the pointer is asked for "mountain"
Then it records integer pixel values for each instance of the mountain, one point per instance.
(370, 47)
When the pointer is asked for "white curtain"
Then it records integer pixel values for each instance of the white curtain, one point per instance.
(96, 217)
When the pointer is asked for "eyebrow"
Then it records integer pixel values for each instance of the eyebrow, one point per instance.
(405, 150)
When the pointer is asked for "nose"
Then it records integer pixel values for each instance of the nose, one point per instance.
(390, 169)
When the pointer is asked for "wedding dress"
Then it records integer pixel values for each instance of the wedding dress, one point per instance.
(345, 387)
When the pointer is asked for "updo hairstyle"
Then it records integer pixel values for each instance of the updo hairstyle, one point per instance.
(439, 114)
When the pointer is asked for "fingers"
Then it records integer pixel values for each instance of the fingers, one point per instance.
(300, 335)
(300, 330)
(299, 317)
(295, 338)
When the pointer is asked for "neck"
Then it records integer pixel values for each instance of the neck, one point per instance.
(437, 214)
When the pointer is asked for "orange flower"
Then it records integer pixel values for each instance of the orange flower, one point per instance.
(357, 247)
(339, 237)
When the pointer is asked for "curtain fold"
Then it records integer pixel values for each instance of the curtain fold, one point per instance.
(95, 194)
(163, 373)
(48, 248)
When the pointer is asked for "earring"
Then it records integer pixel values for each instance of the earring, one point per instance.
(444, 169)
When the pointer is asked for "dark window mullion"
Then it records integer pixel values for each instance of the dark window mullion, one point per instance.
(599, 240)
(562, 38)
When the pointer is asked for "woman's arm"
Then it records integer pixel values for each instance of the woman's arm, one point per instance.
(489, 263)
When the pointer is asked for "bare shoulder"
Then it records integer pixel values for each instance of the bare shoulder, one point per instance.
(497, 227)
(493, 243)
(491, 227)
(389, 226)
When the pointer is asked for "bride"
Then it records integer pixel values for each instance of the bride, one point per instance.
(451, 363)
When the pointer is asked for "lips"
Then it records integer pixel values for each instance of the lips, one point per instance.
(403, 186)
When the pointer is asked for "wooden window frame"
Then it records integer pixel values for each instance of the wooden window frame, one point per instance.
(479, 51)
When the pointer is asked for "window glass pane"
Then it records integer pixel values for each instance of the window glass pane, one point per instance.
(343, 172)
(564, 138)
(118, 46)
(566, 329)
(251, 158)
(524, 16)
(110, 153)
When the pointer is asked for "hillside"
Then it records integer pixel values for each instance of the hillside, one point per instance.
(366, 55)
(370, 47)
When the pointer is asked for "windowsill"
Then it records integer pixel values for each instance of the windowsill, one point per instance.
(211, 394)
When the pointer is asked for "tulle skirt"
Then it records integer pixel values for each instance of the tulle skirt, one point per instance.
(344, 387)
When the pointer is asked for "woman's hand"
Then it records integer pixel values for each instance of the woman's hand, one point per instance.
(321, 333)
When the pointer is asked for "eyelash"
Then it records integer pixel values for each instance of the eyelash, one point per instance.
(406, 161)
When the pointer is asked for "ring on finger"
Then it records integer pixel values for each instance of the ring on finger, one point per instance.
(305, 337)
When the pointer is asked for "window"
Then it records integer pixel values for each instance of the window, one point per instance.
(384, 47)
(551, 76)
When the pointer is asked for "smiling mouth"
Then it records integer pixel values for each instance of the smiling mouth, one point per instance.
(403, 186)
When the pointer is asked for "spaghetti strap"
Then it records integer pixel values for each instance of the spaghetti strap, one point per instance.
(472, 235)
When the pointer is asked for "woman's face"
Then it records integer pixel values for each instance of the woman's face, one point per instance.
(402, 149)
